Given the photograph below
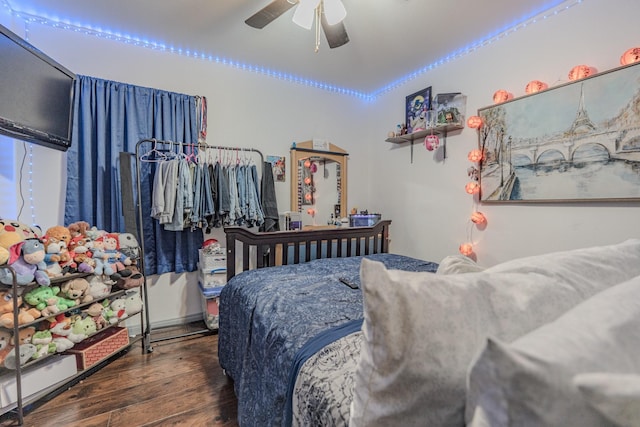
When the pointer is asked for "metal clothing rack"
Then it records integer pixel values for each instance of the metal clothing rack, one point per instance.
(165, 147)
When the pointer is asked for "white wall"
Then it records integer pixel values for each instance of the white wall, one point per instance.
(245, 110)
(426, 198)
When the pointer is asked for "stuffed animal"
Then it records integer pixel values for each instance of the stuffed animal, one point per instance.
(132, 302)
(81, 255)
(6, 345)
(99, 287)
(134, 280)
(60, 330)
(129, 245)
(27, 349)
(94, 234)
(46, 300)
(12, 232)
(78, 228)
(25, 315)
(118, 310)
(43, 340)
(56, 240)
(97, 312)
(82, 328)
(53, 257)
(27, 260)
(109, 259)
(77, 290)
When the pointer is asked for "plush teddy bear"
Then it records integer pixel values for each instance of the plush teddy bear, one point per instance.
(81, 255)
(12, 232)
(27, 260)
(76, 289)
(25, 315)
(53, 257)
(78, 228)
(56, 240)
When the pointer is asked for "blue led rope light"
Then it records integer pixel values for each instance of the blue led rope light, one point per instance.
(548, 11)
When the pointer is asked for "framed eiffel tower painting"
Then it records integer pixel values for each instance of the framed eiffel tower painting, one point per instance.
(578, 141)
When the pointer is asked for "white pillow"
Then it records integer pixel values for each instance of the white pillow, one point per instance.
(421, 331)
(615, 396)
(530, 381)
(456, 264)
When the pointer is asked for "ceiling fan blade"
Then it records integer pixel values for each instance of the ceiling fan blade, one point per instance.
(270, 12)
(336, 34)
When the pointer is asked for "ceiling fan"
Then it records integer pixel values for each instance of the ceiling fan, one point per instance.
(329, 13)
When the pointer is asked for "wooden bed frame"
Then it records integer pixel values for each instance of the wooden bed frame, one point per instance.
(268, 247)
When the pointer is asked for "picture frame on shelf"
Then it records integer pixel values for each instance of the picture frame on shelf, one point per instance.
(416, 107)
(576, 142)
(450, 108)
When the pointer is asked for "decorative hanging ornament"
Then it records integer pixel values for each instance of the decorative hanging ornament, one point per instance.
(475, 156)
(431, 142)
(478, 218)
(474, 122)
(307, 163)
(502, 96)
(580, 72)
(466, 249)
(472, 187)
(535, 86)
(630, 56)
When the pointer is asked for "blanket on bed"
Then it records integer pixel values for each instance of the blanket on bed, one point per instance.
(267, 315)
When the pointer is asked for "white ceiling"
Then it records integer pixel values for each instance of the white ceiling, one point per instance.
(389, 39)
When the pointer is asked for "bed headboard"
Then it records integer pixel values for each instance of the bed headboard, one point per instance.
(294, 247)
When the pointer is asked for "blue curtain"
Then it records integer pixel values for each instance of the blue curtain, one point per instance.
(112, 117)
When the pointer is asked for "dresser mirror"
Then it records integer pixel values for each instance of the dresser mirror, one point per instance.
(318, 182)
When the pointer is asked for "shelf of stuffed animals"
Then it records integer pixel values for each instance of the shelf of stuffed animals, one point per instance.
(49, 323)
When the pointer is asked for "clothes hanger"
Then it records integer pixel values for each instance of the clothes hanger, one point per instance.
(154, 155)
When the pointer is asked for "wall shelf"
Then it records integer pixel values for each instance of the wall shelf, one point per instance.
(441, 129)
(410, 137)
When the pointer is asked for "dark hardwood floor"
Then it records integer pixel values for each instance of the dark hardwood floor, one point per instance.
(179, 384)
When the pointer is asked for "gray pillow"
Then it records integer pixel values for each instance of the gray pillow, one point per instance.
(615, 396)
(456, 264)
(422, 330)
(530, 381)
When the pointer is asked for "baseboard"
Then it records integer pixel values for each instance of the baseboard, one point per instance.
(167, 323)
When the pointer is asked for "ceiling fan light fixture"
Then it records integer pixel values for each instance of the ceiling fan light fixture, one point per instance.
(304, 14)
(334, 11)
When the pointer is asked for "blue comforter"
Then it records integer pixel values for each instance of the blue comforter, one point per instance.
(267, 315)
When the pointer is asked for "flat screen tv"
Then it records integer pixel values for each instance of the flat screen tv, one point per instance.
(36, 94)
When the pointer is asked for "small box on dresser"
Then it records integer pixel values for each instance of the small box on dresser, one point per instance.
(100, 346)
